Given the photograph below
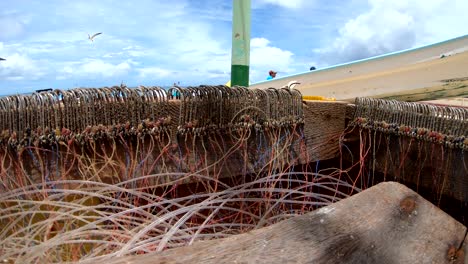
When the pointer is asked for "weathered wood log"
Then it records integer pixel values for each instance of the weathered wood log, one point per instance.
(387, 223)
(463, 251)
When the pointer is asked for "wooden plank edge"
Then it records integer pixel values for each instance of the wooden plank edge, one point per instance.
(387, 223)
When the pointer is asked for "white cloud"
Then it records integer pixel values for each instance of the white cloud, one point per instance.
(285, 3)
(263, 54)
(131, 47)
(259, 42)
(147, 45)
(136, 53)
(265, 57)
(12, 25)
(18, 67)
(99, 67)
(395, 25)
(129, 51)
(158, 42)
(112, 54)
(93, 68)
(154, 72)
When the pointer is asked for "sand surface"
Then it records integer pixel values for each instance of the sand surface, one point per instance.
(392, 74)
(459, 102)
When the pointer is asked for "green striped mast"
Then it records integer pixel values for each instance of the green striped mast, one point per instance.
(240, 57)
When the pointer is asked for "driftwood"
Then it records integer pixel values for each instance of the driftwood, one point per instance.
(463, 252)
(387, 223)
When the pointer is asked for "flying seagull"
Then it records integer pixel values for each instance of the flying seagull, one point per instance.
(93, 36)
(1, 59)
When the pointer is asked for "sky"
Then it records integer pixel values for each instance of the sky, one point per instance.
(160, 42)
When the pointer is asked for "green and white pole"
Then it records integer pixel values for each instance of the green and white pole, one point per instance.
(240, 58)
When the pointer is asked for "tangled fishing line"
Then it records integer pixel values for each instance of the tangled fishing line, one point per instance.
(90, 174)
(93, 174)
(99, 221)
(414, 143)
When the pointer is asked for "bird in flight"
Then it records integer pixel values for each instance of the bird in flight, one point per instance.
(93, 36)
(2, 59)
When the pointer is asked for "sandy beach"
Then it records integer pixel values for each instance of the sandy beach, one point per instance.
(416, 71)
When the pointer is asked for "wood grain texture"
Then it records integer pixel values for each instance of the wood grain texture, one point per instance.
(387, 223)
(463, 253)
(324, 123)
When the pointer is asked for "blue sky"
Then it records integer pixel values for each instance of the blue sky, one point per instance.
(159, 42)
